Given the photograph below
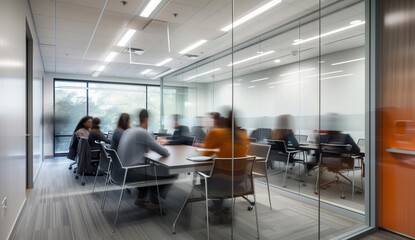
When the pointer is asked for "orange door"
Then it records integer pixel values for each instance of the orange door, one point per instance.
(396, 135)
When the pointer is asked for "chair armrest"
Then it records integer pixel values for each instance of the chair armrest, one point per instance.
(137, 166)
(203, 175)
(295, 151)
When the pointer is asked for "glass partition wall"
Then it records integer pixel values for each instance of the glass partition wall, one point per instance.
(293, 74)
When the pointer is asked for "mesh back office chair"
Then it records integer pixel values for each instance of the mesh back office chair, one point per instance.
(336, 158)
(260, 167)
(104, 164)
(188, 140)
(261, 134)
(162, 132)
(280, 149)
(84, 160)
(218, 184)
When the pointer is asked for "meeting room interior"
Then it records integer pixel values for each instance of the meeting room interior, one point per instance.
(206, 119)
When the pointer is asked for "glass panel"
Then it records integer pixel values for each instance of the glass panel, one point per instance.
(108, 101)
(154, 108)
(342, 120)
(70, 106)
(62, 144)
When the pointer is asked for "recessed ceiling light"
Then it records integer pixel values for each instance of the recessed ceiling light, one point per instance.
(201, 74)
(101, 68)
(251, 58)
(110, 57)
(301, 41)
(339, 76)
(251, 15)
(260, 79)
(150, 8)
(277, 61)
(146, 71)
(300, 71)
(127, 36)
(349, 61)
(96, 74)
(193, 46)
(164, 62)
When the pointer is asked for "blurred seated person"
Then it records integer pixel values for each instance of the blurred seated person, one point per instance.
(197, 131)
(332, 124)
(123, 124)
(179, 132)
(221, 138)
(84, 127)
(284, 132)
(216, 119)
(96, 135)
(134, 143)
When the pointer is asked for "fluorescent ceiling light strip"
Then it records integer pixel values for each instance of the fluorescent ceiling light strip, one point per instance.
(251, 15)
(339, 76)
(251, 58)
(323, 74)
(110, 57)
(329, 33)
(251, 86)
(260, 79)
(146, 71)
(164, 62)
(150, 8)
(164, 73)
(100, 68)
(193, 46)
(201, 74)
(278, 82)
(127, 36)
(349, 61)
(235, 84)
(96, 74)
(290, 73)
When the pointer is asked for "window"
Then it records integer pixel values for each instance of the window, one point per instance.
(75, 99)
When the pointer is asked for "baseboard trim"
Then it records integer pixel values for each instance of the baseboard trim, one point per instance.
(48, 156)
(12, 232)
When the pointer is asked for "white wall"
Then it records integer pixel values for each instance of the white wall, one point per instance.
(13, 16)
(49, 99)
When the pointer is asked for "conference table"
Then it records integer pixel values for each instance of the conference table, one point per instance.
(177, 163)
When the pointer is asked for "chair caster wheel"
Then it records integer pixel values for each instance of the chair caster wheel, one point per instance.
(284, 186)
(83, 184)
(128, 190)
(304, 184)
(359, 191)
(74, 171)
(250, 207)
(70, 168)
(288, 177)
(315, 192)
(342, 197)
(76, 177)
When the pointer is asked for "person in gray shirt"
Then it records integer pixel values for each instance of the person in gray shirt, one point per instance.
(134, 143)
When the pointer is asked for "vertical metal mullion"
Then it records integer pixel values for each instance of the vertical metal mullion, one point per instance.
(146, 97)
(87, 98)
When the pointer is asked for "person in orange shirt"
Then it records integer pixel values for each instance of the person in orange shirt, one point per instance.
(221, 138)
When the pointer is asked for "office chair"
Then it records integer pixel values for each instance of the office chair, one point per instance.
(301, 138)
(280, 149)
(260, 167)
(261, 134)
(188, 140)
(84, 160)
(336, 158)
(104, 164)
(218, 185)
(110, 134)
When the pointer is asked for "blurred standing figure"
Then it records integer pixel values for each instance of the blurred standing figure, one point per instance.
(332, 124)
(83, 127)
(284, 131)
(123, 124)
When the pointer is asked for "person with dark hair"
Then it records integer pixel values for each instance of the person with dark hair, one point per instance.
(134, 143)
(228, 139)
(123, 124)
(96, 135)
(284, 132)
(83, 127)
(179, 132)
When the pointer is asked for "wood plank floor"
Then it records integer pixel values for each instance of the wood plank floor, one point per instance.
(58, 207)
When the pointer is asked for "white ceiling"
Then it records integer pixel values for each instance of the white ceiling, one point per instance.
(196, 20)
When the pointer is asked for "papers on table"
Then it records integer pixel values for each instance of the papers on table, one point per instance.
(199, 158)
(207, 150)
